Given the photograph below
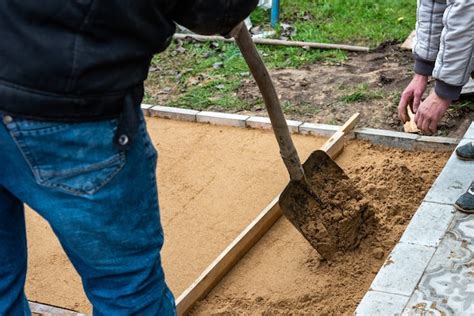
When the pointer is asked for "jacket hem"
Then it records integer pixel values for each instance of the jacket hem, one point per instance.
(24, 102)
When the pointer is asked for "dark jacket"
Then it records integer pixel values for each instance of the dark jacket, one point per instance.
(75, 60)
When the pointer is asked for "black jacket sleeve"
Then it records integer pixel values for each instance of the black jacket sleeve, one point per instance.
(209, 17)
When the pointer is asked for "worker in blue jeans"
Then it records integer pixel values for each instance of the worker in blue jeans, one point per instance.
(74, 145)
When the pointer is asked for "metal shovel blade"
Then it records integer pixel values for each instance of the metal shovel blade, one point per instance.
(332, 220)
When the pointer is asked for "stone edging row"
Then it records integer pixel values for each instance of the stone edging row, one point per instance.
(376, 136)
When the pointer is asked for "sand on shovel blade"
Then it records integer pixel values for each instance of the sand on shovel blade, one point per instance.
(339, 220)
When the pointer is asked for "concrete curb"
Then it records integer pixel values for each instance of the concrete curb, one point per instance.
(377, 136)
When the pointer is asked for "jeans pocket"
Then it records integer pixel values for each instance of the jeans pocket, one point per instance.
(78, 158)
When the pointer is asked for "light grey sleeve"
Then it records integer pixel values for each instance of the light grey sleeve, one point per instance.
(454, 62)
(429, 25)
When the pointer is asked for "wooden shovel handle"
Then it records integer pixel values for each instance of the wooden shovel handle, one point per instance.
(262, 77)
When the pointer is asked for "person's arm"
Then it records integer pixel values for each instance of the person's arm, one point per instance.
(453, 64)
(429, 25)
(208, 17)
(455, 58)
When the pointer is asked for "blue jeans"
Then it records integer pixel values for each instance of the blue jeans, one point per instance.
(101, 203)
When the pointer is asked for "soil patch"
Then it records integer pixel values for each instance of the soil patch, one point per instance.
(283, 274)
(212, 182)
(369, 83)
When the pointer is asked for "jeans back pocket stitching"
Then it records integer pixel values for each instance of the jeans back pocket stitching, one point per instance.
(40, 131)
(31, 161)
(79, 192)
(117, 158)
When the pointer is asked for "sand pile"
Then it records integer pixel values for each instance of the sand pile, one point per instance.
(283, 274)
(336, 216)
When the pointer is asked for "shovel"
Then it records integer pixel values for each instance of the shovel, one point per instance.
(320, 200)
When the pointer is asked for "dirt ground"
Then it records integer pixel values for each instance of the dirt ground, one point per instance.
(369, 83)
(330, 92)
(212, 183)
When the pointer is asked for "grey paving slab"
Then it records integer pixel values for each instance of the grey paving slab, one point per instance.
(453, 181)
(403, 269)
(435, 143)
(227, 119)
(264, 123)
(470, 132)
(378, 303)
(447, 286)
(146, 108)
(429, 224)
(259, 122)
(173, 113)
(294, 126)
(318, 129)
(463, 229)
(387, 138)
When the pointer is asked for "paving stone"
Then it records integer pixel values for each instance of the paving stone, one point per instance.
(324, 130)
(378, 303)
(403, 269)
(146, 109)
(435, 143)
(173, 113)
(216, 118)
(463, 228)
(259, 122)
(438, 139)
(453, 181)
(470, 132)
(388, 138)
(429, 224)
(265, 123)
(447, 286)
(294, 126)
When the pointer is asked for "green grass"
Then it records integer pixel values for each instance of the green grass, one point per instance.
(467, 105)
(195, 83)
(367, 22)
(218, 89)
(361, 93)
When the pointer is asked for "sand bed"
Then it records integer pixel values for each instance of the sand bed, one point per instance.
(282, 274)
(212, 183)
